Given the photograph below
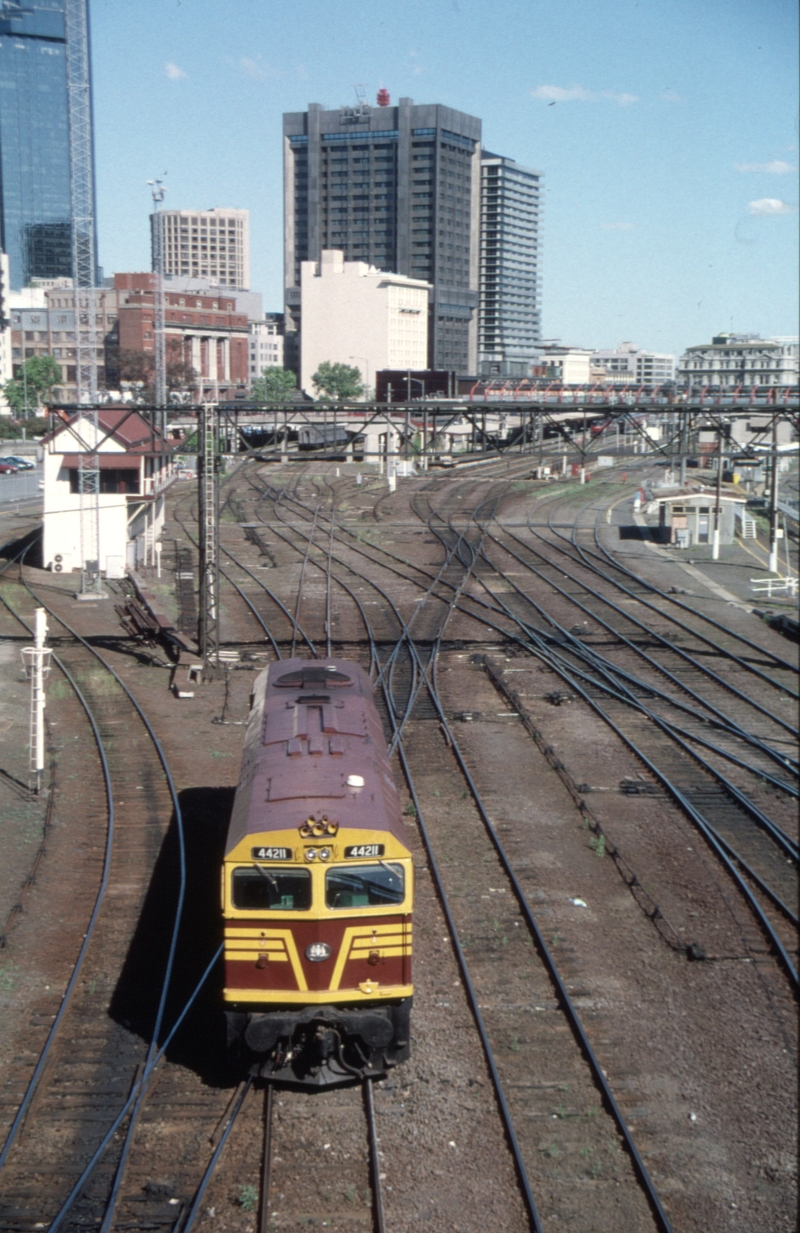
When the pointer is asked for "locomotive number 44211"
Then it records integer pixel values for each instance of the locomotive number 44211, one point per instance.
(364, 849)
(271, 854)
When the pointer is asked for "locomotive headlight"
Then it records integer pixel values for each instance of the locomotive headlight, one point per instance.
(318, 951)
(311, 854)
(325, 854)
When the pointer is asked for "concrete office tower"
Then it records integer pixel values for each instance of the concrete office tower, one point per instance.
(35, 164)
(510, 317)
(358, 315)
(398, 188)
(213, 244)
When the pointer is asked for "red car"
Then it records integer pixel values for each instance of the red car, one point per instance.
(6, 468)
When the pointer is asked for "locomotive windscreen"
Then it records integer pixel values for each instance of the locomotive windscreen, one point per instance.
(282, 890)
(364, 886)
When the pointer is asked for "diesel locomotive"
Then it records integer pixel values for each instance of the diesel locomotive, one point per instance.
(317, 884)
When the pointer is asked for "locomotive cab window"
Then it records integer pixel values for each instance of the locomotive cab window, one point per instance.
(269, 889)
(365, 886)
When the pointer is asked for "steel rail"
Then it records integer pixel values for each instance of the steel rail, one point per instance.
(702, 668)
(610, 672)
(726, 754)
(167, 978)
(184, 1224)
(263, 585)
(140, 1085)
(566, 1002)
(572, 1015)
(744, 664)
(702, 824)
(374, 1158)
(742, 734)
(33, 1082)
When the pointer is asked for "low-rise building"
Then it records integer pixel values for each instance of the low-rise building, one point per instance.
(135, 469)
(731, 360)
(631, 365)
(361, 316)
(569, 365)
(266, 344)
(204, 332)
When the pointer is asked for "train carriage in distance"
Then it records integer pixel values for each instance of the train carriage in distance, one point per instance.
(317, 884)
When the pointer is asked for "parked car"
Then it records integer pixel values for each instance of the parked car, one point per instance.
(23, 464)
(6, 468)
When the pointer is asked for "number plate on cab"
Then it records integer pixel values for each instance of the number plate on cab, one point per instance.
(364, 849)
(271, 854)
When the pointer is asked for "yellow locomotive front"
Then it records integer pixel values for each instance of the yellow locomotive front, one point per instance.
(317, 884)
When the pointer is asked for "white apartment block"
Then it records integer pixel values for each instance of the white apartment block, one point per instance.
(632, 365)
(212, 244)
(569, 365)
(266, 345)
(355, 314)
(741, 359)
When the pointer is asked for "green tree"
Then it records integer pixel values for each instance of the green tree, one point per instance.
(337, 381)
(274, 385)
(33, 385)
(139, 367)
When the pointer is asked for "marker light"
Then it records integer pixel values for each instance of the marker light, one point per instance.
(325, 854)
(311, 854)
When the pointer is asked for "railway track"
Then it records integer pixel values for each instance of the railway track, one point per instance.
(403, 673)
(88, 1062)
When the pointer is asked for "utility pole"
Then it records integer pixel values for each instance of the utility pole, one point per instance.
(773, 501)
(208, 517)
(715, 539)
(36, 659)
(159, 319)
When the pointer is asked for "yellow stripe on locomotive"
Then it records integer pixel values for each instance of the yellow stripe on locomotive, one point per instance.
(320, 922)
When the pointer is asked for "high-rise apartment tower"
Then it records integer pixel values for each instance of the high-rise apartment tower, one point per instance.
(35, 172)
(399, 188)
(509, 318)
(212, 244)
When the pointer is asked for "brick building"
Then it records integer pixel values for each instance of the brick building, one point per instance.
(204, 331)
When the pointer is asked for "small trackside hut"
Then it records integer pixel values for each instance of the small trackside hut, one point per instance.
(317, 884)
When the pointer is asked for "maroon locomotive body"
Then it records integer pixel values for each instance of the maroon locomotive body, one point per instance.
(317, 883)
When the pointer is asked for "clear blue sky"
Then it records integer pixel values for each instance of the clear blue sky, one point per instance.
(667, 133)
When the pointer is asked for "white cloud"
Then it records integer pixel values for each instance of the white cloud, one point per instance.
(617, 226)
(771, 205)
(173, 72)
(777, 167)
(258, 69)
(557, 94)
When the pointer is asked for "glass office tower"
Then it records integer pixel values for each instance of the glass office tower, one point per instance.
(35, 203)
(509, 319)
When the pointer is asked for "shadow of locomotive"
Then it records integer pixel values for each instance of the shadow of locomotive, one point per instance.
(655, 535)
(200, 1041)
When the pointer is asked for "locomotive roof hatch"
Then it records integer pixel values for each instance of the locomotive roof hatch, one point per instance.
(312, 676)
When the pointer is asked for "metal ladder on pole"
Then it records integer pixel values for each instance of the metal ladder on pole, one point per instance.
(208, 517)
